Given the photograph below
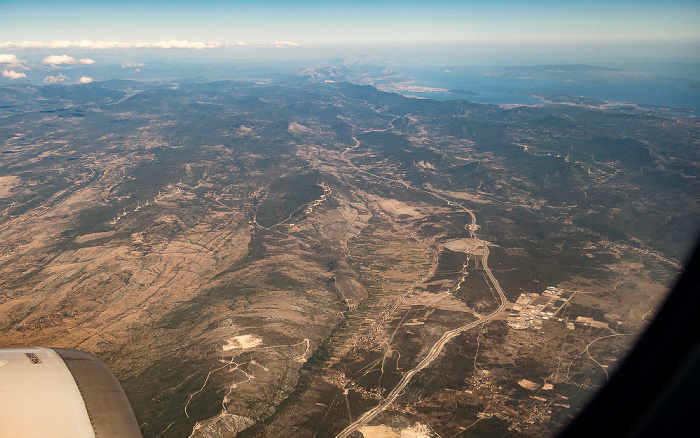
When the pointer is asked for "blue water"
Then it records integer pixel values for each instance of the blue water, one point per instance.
(658, 92)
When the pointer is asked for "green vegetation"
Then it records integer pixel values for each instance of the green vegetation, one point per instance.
(286, 198)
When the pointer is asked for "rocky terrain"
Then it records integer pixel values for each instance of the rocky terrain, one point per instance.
(261, 259)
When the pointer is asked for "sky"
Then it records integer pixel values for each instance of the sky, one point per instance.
(450, 32)
(313, 22)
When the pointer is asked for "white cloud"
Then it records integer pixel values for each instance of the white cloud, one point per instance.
(12, 61)
(59, 59)
(66, 60)
(180, 44)
(85, 80)
(51, 45)
(87, 44)
(244, 44)
(54, 79)
(13, 74)
(84, 44)
(8, 58)
(100, 45)
(279, 44)
(132, 64)
(13, 45)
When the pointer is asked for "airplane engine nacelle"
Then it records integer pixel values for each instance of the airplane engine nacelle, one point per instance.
(54, 392)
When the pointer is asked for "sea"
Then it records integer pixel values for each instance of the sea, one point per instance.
(670, 95)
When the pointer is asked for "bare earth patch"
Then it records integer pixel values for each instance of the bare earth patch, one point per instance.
(395, 207)
(6, 185)
(417, 431)
(462, 245)
(243, 342)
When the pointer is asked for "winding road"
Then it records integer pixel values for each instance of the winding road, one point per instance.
(447, 336)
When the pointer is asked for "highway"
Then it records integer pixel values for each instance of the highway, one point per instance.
(447, 336)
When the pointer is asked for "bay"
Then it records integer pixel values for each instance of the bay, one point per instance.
(655, 93)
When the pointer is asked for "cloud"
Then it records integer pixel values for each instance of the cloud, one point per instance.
(132, 64)
(85, 80)
(13, 74)
(100, 45)
(83, 44)
(66, 60)
(244, 44)
(12, 61)
(54, 79)
(36, 45)
(179, 44)
(58, 59)
(279, 44)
